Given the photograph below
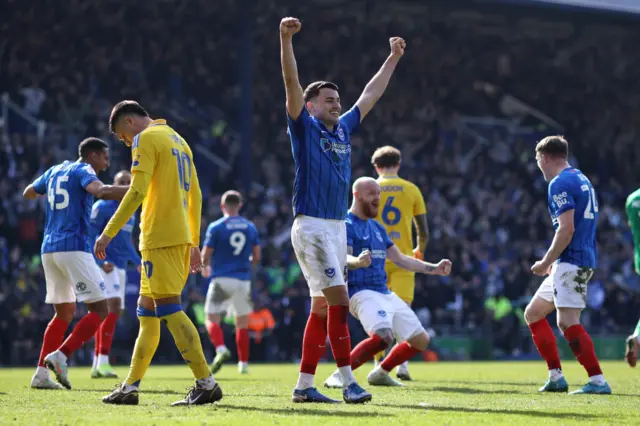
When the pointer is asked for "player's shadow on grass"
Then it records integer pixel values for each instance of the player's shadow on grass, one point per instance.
(144, 391)
(467, 382)
(531, 413)
(305, 411)
(468, 391)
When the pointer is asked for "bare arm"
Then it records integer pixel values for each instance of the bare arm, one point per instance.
(562, 238)
(205, 255)
(106, 192)
(30, 193)
(256, 255)
(410, 264)
(374, 90)
(423, 232)
(295, 100)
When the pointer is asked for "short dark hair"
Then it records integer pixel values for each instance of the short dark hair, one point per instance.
(313, 90)
(90, 145)
(122, 109)
(555, 146)
(232, 198)
(386, 156)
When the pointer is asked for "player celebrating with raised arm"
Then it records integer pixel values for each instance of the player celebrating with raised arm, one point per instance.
(569, 263)
(113, 270)
(232, 244)
(403, 207)
(382, 313)
(69, 269)
(632, 208)
(165, 182)
(320, 140)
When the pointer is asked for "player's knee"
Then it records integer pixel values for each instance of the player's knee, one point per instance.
(386, 334)
(319, 307)
(66, 312)
(420, 341)
(531, 314)
(100, 307)
(242, 321)
(567, 319)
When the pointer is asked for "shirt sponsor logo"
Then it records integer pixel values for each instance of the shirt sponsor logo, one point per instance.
(560, 199)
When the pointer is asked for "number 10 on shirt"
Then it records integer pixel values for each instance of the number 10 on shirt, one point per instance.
(184, 168)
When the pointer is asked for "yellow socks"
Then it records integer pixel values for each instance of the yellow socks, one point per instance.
(146, 345)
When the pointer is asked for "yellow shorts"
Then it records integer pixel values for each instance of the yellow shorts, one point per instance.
(401, 282)
(165, 271)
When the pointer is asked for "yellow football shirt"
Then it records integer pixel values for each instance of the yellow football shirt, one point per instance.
(400, 201)
(173, 192)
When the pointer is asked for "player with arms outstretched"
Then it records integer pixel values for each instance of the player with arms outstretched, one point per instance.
(632, 208)
(403, 206)
(113, 270)
(70, 272)
(381, 312)
(232, 245)
(165, 182)
(569, 263)
(321, 145)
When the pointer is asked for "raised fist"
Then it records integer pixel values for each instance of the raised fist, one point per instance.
(289, 26)
(397, 46)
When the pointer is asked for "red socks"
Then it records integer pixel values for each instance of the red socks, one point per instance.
(82, 332)
(366, 350)
(582, 348)
(545, 341)
(215, 334)
(339, 334)
(106, 331)
(314, 343)
(242, 344)
(53, 337)
(400, 353)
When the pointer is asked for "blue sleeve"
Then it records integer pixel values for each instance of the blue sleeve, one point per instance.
(209, 236)
(349, 234)
(40, 184)
(561, 196)
(351, 119)
(87, 175)
(298, 126)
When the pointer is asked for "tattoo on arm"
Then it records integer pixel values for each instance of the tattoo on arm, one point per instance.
(429, 268)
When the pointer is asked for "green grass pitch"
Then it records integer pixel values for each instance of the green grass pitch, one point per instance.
(444, 393)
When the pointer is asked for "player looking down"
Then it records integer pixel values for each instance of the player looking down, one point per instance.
(165, 182)
(321, 146)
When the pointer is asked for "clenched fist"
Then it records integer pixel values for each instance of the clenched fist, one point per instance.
(443, 267)
(364, 260)
(289, 26)
(397, 46)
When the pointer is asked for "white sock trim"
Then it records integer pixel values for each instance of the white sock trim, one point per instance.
(305, 381)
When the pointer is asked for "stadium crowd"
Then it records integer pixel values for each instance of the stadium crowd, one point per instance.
(486, 198)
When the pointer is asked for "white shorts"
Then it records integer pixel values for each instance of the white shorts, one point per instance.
(72, 276)
(115, 284)
(376, 311)
(229, 295)
(566, 286)
(321, 249)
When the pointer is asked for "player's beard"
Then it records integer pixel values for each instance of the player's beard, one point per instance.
(370, 211)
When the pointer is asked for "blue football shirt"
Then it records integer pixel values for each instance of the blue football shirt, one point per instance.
(573, 190)
(232, 240)
(68, 207)
(120, 250)
(368, 235)
(322, 158)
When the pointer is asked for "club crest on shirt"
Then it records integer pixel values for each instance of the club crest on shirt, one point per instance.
(330, 272)
(340, 133)
(136, 162)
